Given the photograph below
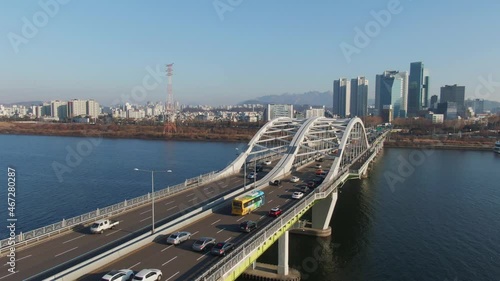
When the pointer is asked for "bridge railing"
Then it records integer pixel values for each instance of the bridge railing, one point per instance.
(78, 221)
(231, 261)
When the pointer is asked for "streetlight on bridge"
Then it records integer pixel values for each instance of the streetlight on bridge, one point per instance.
(153, 194)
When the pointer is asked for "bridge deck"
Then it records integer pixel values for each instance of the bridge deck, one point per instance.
(180, 262)
(37, 258)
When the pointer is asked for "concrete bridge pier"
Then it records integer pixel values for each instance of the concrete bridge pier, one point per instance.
(269, 272)
(322, 213)
(283, 254)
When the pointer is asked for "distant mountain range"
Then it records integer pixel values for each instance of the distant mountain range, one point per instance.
(310, 98)
(314, 98)
(25, 103)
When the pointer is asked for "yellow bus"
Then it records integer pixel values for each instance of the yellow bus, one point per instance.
(246, 203)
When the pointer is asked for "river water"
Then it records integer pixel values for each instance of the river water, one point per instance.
(420, 215)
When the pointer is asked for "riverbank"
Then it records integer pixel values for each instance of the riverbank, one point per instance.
(442, 144)
(204, 132)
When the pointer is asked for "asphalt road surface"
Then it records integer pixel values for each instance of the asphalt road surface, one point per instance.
(180, 262)
(55, 254)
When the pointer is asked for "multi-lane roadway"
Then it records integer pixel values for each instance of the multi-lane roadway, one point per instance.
(180, 262)
(58, 253)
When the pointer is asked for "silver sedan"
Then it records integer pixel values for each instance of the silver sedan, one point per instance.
(178, 237)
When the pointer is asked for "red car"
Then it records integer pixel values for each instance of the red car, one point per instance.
(275, 212)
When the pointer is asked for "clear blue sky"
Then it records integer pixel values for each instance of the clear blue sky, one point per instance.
(100, 49)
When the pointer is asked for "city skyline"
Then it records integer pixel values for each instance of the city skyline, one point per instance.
(223, 56)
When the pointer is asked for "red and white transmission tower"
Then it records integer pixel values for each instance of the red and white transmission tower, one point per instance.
(169, 108)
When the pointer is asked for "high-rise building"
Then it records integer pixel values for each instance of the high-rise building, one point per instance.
(359, 96)
(390, 89)
(456, 94)
(434, 101)
(93, 108)
(315, 112)
(279, 110)
(418, 88)
(449, 109)
(478, 106)
(77, 107)
(342, 97)
(59, 109)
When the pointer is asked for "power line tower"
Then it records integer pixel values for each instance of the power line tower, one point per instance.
(169, 108)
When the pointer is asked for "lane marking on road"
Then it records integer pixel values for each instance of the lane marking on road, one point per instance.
(208, 192)
(220, 230)
(134, 265)
(240, 218)
(145, 219)
(172, 276)
(111, 233)
(72, 239)
(18, 259)
(23, 257)
(202, 256)
(169, 203)
(191, 194)
(194, 233)
(215, 222)
(171, 208)
(270, 201)
(169, 261)
(192, 199)
(167, 248)
(9, 275)
(287, 200)
(65, 252)
(271, 192)
(228, 239)
(261, 217)
(147, 211)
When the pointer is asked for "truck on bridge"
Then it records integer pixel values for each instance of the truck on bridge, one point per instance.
(101, 225)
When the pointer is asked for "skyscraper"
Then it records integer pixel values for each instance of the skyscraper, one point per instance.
(456, 94)
(418, 88)
(434, 101)
(390, 89)
(359, 96)
(342, 97)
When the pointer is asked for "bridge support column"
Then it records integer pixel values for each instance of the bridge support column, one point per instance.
(322, 212)
(283, 254)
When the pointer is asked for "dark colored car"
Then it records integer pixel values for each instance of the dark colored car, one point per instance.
(223, 248)
(275, 182)
(311, 184)
(258, 168)
(275, 212)
(248, 226)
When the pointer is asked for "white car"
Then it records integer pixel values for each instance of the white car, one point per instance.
(294, 179)
(318, 166)
(267, 162)
(119, 275)
(178, 237)
(297, 195)
(148, 275)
